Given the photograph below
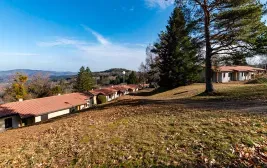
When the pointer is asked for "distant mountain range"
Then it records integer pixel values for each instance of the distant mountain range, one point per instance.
(6, 75)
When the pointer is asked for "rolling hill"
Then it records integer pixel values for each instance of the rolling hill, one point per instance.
(6, 75)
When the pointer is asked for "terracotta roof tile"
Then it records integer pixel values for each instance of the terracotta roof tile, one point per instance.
(104, 91)
(236, 68)
(36, 107)
(119, 88)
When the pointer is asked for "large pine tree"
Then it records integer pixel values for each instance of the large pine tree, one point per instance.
(177, 54)
(226, 28)
(132, 79)
(84, 81)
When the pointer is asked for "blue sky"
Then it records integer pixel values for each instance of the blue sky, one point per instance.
(64, 35)
(52, 35)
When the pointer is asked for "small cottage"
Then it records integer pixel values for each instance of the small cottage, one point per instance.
(109, 93)
(223, 74)
(28, 112)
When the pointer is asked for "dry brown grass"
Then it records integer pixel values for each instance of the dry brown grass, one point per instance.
(165, 129)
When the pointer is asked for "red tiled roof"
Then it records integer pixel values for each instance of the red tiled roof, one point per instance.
(36, 107)
(126, 87)
(104, 91)
(119, 88)
(236, 68)
(132, 86)
(112, 89)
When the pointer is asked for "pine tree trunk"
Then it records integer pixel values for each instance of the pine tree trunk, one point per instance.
(209, 85)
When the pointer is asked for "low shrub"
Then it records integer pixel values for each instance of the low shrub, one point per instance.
(101, 99)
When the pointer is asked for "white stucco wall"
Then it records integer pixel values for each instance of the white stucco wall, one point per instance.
(117, 95)
(82, 107)
(15, 122)
(249, 76)
(58, 113)
(224, 78)
(38, 119)
(95, 100)
(108, 99)
(242, 76)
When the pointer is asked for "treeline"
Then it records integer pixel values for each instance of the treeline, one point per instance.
(203, 34)
(37, 87)
(40, 85)
(130, 78)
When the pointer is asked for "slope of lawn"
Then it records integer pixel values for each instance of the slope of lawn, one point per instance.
(163, 129)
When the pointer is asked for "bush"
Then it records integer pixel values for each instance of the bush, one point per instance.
(101, 99)
(259, 80)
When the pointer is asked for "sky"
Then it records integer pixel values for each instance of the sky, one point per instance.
(65, 35)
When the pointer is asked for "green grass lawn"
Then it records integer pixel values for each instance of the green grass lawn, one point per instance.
(149, 131)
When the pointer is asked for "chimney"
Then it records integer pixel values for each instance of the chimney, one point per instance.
(20, 100)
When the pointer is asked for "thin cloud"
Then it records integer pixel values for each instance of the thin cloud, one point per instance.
(163, 4)
(98, 36)
(102, 54)
(60, 42)
(131, 9)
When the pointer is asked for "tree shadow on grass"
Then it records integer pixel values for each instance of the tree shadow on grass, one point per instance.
(252, 106)
(150, 92)
(209, 94)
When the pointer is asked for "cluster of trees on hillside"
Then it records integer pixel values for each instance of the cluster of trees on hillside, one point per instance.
(131, 78)
(37, 87)
(204, 33)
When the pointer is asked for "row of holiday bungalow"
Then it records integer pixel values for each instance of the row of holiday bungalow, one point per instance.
(29, 112)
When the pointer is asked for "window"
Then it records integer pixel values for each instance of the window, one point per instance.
(224, 75)
(8, 123)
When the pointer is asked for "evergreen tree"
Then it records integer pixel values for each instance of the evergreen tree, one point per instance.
(178, 60)
(17, 90)
(89, 81)
(132, 79)
(78, 83)
(84, 81)
(225, 28)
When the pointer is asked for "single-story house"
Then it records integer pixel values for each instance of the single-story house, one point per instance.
(143, 86)
(109, 93)
(132, 88)
(28, 112)
(224, 74)
(120, 90)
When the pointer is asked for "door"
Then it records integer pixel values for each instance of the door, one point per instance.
(231, 76)
(8, 123)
